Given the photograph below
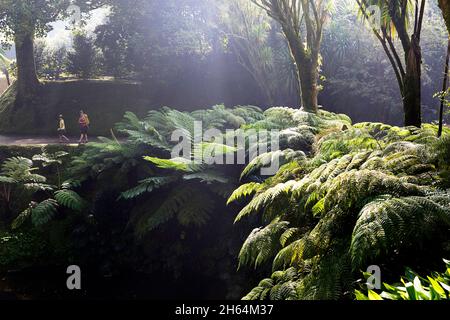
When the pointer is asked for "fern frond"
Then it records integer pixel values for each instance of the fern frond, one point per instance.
(393, 223)
(288, 235)
(196, 211)
(264, 199)
(147, 186)
(244, 191)
(264, 160)
(258, 292)
(22, 218)
(70, 199)
(177, 164)
(44, 212)
(262, 244)
(207, 176)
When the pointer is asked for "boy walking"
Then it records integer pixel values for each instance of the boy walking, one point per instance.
(62, 130)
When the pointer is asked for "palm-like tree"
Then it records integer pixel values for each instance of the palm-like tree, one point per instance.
(302, 23)
(396, 18)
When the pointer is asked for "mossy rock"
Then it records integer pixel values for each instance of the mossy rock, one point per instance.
(298, 139)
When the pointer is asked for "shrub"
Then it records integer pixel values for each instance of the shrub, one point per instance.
(413, 287)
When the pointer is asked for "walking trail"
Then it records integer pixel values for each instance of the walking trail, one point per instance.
(12, 140)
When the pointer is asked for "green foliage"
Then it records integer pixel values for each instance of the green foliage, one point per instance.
(281, 286)
(413, 287)
(20, 170)
(20, 181)
(244, 191)
(367, 194)
(285, 118)
(173, 181)
(186, 201)
(20, 250)
(51, 62)
(70, 199)
(177, 164)
(102, 159)
(83, 59)
(147, 186)
(187, 205)
(384, 224)
(262, 245)
(43, 212)
(48, 159)
(265, 159)
(193, 186)
(248, 33)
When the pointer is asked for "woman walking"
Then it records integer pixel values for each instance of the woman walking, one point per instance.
(83, 121)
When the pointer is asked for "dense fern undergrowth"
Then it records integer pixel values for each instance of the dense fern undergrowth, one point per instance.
(371, 194)
(346, 196)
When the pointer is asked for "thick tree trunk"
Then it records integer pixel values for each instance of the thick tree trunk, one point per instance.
(306, 71)
(27, 81)
(308, 80)
(412, 85)
(411, 102)
(444, 89)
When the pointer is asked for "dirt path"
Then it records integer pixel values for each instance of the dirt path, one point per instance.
(30, 140)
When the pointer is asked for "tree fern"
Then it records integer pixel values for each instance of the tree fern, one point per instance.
(364, 193)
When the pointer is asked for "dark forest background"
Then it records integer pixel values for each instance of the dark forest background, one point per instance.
(194, 54)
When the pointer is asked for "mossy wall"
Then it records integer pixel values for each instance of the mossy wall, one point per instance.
(104, 101)
(28, 151)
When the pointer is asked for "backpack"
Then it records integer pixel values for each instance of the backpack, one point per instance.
(87, 120)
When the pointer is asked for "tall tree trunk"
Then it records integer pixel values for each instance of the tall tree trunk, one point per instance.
(306, 72)
(410, 80)
(412, 85)
(308, 81)
(27, 81)
(444, 89)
